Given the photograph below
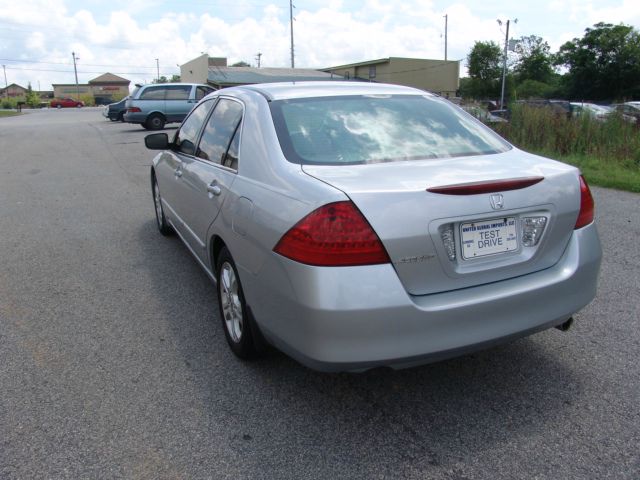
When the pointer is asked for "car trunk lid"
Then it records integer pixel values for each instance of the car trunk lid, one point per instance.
(414, 206)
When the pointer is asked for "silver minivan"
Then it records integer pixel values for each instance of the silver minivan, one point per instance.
(155, 105)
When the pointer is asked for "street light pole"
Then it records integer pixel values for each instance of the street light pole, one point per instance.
(158, 70)
(446, 21)
(75, 70)
(504, 61)
(6, 85)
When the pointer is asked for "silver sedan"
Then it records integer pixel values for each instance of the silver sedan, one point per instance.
(356, 225)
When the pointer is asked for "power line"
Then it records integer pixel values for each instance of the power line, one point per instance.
(67, 63)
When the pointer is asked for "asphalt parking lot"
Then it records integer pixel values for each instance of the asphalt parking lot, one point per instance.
(113, 362)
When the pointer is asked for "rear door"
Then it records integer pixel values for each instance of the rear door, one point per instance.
(208, 176)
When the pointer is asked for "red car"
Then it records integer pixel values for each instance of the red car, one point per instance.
(66, 102)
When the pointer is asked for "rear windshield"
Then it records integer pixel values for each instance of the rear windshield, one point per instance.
(378, 128)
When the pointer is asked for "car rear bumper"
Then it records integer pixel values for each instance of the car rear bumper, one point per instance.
(135, 117)
(356, 318)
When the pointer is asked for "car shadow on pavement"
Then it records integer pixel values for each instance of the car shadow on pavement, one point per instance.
(283, 418)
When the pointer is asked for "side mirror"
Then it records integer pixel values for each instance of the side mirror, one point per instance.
(157, 141)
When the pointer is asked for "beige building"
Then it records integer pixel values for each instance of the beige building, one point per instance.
(104, 88)
(215, 72)
(438, 76)
(13, 90)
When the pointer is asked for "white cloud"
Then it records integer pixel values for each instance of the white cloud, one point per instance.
(128, 39)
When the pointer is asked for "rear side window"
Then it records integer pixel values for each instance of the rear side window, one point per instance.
(178, 92)
(219, 131)
(153, 93)
(378, 128)
(202, 92)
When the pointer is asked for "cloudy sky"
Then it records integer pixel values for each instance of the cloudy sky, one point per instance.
(126, 37)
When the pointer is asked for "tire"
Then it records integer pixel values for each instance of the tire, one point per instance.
(58, 106)
(112, 118)
(155, 121)
(234, 313)
(121, 116)
(163, 226)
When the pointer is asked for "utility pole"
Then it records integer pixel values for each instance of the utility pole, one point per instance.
(291, 22)
(75, 70)
(158, 70)
(6, 85)
(504, 60)
(446, 21)
(258, 55)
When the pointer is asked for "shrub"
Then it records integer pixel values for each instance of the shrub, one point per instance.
(9, 102)
(88, 99)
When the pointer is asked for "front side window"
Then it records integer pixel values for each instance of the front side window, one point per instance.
(178, 92)
(153, 93)
(219, 131)
(378, 128)
(187, 137)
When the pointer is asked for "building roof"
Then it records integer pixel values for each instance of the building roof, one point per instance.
(385, 60)
(12, 85)
(109, 78)
(226, 76)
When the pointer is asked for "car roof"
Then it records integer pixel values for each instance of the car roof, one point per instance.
(290, 90)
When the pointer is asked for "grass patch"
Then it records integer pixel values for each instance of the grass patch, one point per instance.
(607, 153)
(8, 113)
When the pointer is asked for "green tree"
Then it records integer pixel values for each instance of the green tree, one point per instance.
(604, 64)
(485, 70)
(175, 79)
(162, 79)
(534, 59)
(32, 99)
(241, 63)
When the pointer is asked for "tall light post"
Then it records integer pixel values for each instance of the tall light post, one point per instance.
(75, 70)
(446, 22)
(504, 60)
(6, 85)
(158, 70)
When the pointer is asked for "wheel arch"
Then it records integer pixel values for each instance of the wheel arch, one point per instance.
(216, 245)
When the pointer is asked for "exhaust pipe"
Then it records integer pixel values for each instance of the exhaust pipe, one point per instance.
(563, 327)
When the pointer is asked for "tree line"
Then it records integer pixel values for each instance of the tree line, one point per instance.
(602, 65)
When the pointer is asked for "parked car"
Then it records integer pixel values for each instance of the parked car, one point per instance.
(483, 115)
(559, 107)
(598, 112)
(155, 105)
(66, 103)
(629, 109)
(115, 111)
(356, 225)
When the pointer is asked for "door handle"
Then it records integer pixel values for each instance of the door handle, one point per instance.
(214, 189)
(178, 172)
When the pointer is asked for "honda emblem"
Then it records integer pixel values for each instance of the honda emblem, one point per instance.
(497, 201)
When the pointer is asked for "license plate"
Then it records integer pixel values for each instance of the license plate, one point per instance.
(488, 237)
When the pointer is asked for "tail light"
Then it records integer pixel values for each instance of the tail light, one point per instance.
(585, 217)
(334, 235)
(133, 110)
